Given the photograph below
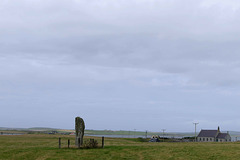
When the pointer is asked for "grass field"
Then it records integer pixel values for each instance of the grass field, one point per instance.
(40, 146)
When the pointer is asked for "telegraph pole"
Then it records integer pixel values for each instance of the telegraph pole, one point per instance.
(163, 133)
(195, 131)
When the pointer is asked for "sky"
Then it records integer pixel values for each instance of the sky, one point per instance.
(120, 65)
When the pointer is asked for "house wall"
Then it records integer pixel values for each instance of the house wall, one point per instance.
(205, 139)
(221, 140)
(226, 139)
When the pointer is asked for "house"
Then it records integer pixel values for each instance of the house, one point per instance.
(213, 136)
(223, 137)
(72, 133)
(155, 138)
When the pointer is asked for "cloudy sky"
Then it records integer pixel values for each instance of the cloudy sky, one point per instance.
(121, 65)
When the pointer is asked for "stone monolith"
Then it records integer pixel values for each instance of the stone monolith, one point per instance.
(79, 130)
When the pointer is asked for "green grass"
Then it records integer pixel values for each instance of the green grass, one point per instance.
(42, 147)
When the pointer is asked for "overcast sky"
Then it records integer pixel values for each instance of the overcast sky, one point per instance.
(121, 65)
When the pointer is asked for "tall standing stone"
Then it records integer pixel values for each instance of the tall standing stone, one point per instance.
(79, 130)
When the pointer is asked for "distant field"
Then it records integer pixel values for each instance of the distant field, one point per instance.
(107, 133)
(118, 133)
(136, 134)
(40, 146)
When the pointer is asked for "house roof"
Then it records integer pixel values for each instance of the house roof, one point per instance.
(222, 135)
(208, 133)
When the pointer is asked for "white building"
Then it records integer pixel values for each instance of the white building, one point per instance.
(213, 136)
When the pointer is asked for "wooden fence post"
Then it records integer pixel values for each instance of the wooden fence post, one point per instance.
(59, 143)
(68, 143)
(102, 142)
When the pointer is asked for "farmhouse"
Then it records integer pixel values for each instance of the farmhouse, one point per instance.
(213, 136)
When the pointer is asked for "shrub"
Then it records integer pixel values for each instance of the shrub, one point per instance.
(90, 143)
(140, 139)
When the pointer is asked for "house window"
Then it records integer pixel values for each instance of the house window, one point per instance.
(210, 139)
(203, 139)
(207, 139)
(200, 139)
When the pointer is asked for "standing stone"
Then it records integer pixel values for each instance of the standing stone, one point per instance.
(79, 129)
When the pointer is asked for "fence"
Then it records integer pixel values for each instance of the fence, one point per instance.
(92, 141)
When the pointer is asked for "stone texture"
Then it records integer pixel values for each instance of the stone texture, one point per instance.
(79, 130)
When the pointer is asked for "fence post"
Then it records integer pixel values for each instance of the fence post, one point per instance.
(102, 142)
(68, 143)
(79, 143)
(59, 143)
(91, 143)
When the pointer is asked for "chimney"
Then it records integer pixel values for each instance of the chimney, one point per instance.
(218, 129)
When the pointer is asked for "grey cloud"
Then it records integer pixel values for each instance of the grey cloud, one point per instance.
(137, 51)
